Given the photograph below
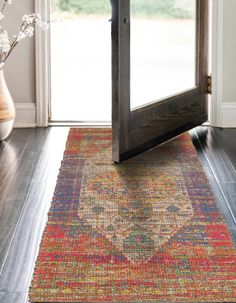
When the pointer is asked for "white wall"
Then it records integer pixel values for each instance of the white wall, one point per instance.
(229, 51)
(20, 67)
(227, 87)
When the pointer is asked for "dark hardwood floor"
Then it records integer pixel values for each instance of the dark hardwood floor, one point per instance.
(29, 163)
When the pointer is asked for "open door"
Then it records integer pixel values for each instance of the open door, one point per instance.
(153, 122)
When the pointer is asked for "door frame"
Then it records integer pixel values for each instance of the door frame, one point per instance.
(43, 64)
(216, 55)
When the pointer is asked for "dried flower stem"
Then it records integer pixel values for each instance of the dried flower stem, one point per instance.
(26, 30)
(14, 43)
(4, 5)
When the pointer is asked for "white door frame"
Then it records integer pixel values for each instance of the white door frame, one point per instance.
(43, 64)
(216, 54)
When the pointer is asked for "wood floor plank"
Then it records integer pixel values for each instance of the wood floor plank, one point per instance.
(220, 198)
(229, 190)
(13, 202)
(17, 272)
(53, 153)
(10, 157)
(14, 146)
(4, 143)
(18, 266)
(223, 168)
(218, 159)
(226, 137)
(13, 297)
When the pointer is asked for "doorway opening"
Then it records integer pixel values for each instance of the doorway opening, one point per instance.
(80, 61)
(162, 55)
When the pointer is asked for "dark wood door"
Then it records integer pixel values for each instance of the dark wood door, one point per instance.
(136, 130)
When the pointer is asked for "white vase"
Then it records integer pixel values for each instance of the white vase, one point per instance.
(7, 109)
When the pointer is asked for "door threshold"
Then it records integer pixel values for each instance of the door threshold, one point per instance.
(81, 123)
(91, 123)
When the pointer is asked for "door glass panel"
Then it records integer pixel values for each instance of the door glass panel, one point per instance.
(163, 47)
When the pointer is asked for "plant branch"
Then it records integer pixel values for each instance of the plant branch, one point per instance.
(14, 43)
(4, 5)
(26, 30)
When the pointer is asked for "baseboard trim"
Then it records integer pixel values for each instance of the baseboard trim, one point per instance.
(25, 115)
(229, 115)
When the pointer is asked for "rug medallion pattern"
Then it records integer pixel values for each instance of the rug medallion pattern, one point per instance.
(137, 205)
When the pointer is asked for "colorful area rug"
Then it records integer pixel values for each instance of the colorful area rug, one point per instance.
(147, 230)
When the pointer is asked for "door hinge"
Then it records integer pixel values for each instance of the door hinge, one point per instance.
(209, 84)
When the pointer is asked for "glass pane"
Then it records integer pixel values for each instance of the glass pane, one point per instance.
(81, 60)
(163, 39)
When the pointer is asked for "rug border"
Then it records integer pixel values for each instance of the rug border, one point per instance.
(200, 158)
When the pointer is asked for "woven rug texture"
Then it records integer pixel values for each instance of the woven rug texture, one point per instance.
(146, 230)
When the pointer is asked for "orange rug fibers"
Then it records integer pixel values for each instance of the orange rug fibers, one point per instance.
(147, 230)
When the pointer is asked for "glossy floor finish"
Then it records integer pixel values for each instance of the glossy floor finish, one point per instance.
(29, 163)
